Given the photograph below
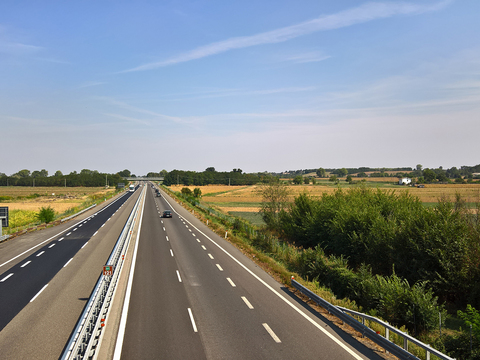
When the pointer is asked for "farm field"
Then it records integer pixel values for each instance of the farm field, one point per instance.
(243, 201)
(59, 198)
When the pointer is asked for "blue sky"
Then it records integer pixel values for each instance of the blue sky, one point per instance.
(257, 85)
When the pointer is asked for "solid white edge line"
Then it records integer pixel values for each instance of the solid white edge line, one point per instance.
(179, 277)
(123, 321)
(288, 302)
(68, 262)
(6, 277)
(192, 320)
(38, 293)
(245, 300)
(272, 334)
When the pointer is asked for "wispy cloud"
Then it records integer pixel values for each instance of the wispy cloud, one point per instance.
(142, 111)
(358, 15)
(15, 48)
(308, 57)
(91, 83)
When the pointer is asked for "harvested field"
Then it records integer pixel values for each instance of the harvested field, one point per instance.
(243, 199)
(34, 198)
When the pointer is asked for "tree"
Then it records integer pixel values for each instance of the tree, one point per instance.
(186, 191)
(298, 179)
(342, 172)
(419, 167)
(58, 173)
(429, 175)
(210, 169)
(321, 172)
(125, 173)
(333, 178)
(163, 173)
(274, 200)
(306, 180)
(314, 181)
(197, 192)
(362, 174)
(349, 179)
(22, 173)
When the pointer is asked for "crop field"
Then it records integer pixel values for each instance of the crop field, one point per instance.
(244, 201)
(59, 198)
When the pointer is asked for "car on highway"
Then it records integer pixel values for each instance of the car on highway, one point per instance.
(167, 214)
(158, 194)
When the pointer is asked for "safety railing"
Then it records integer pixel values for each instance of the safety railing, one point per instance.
(85, 339)
(384, 342)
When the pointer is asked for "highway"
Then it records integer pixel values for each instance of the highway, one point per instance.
(47, 276)
(186, 293)
(195, 296)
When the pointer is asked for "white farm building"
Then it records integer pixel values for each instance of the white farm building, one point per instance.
(404, 181)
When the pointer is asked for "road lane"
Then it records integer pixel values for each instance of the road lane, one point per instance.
(41, 329)
(159, 323)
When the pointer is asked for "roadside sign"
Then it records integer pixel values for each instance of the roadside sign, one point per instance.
(4, 215)
(108, 270)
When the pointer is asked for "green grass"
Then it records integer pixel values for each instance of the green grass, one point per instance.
(253, 218)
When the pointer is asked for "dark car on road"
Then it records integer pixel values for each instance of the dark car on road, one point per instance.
(167, 213)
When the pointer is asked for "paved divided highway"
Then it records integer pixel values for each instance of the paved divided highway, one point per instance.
(190, 293)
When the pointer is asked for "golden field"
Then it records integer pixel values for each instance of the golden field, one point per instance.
(59, 198)
(245, 198)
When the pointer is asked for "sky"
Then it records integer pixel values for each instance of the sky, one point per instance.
(268, 85)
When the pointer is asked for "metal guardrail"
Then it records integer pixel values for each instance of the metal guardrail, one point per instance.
(84, 340)
(406, 338)
(384, 342)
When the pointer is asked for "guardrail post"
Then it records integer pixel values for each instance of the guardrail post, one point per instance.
(428, 354)
(387, 336)
(405, 343)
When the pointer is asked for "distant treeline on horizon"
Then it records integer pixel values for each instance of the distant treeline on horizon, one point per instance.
(93, 178)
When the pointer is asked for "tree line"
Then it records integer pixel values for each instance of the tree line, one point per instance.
(86, 177)
(211, 176)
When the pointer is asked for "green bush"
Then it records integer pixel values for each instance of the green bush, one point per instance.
(186, 191)
(46, 214)
(472, 318)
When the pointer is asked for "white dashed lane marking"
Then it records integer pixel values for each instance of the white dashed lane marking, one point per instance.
(6, 277)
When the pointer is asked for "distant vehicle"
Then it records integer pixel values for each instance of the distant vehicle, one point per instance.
(158, 194)
(167, 214)
(131, 188)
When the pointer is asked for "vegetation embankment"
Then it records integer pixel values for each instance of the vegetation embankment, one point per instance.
(392, 256)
